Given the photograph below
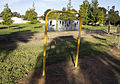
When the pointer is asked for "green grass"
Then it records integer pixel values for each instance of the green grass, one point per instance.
(21, 27)
(17, 60)
(98, 27)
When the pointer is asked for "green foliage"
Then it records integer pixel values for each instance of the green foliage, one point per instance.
(102, 9)
(69, 6)
(42, 16)
(101, 17)
(53, 16)
(113, 16)
(45, 13)
(31, 15)
(16, 14)
(84, 11)
(65, 16)
(94, 11)
(7, 15)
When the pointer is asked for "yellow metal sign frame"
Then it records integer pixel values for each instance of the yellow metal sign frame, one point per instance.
(45, 36)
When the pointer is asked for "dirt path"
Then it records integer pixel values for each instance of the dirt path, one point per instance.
(89, 71)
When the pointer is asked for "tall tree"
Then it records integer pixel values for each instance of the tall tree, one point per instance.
(45, 13)
(69, 6)
(101, 17)
(113, 16)
(63, 15)
(69, 16)
(7, 15)
(84, 10)
(95, 11)
(31, 15)
(103, 9)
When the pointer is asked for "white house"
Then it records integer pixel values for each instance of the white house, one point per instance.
(19, 20)
(1, 19)
(16, 20)
(41, 20)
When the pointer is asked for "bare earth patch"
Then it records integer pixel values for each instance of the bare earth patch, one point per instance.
(90, 70)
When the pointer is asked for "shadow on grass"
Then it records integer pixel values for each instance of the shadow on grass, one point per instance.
(100, 32)
(103, 40)
(39, 27)
(13, 27)
(3, 27)
(95, 66)
(20, 27)
(9, 42)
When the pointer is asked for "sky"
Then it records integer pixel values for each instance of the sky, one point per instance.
(21, 6)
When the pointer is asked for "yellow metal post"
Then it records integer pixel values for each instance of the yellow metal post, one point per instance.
(57, 25)
(45, 42)
(45, 36)
(80, 26)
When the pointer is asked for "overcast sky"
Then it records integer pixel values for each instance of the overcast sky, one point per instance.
(41, 5)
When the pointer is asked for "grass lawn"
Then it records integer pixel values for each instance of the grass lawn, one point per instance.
(21, 27)
(99, 27)
(20, 52)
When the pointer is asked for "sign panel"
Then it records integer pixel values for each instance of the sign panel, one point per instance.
(69, 25)
(51, 25)
(76, 24)
(61, 25)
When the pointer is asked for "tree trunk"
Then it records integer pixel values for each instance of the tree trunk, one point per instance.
(109, 28)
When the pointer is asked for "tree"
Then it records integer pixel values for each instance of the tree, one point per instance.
(101, 17)
(84, 11)
(69, 6)
(113, 16)
(7, 15)
(94, 11)
(63, 15)
(102, 9)
(16, 14)
(68, 16)
(63, 9)
(42, 16)
(45, 13)
(31, 15)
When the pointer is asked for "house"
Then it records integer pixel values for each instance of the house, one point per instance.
(15, 20)
(19, 20)
(41, 20)
(1, 19)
